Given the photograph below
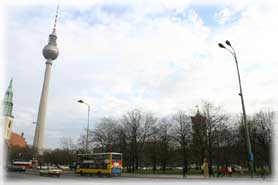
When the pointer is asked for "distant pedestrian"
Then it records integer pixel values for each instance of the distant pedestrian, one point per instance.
(211, 171)
(219, 171)
(183, 172)
(224, 170)
(263, 172)
(205, 168)
(229, 170)
(240, 173)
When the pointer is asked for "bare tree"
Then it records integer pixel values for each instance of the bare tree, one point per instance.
(261, 133)
(81, 144)
(182, 134)
(67, 143)
(164, 141)
(215, 121)
(151, 147)
(105, 133)
(137, 128)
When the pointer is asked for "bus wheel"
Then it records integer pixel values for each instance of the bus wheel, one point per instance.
(81, 173)
(99, 174)
(109, 175)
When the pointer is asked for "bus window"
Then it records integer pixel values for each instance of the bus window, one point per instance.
(84, 165)
(104, 166)
(91, 157)
(98, 157)
(106, 156)
(91, 166)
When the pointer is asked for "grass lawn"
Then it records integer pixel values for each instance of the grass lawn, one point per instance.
(192, 172)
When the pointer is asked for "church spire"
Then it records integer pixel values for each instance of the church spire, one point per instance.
(10, 85)
(8, 100)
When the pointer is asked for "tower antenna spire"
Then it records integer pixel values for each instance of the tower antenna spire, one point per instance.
(56, 18)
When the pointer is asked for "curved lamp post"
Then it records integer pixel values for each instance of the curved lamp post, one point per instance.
(251, 157)
(87, 135)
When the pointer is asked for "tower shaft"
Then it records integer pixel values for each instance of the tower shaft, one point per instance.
(39, 134)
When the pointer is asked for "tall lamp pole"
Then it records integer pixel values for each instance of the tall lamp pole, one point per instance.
(87, 135)
(251, 157)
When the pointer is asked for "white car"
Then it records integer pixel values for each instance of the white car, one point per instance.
(64, 168)
(51, 171)
(42, 167)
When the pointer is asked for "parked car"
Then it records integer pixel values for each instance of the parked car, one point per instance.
(13, 168)
(51, 171)
(63, 167)
(193, 166)
(238, 169)
(42, 167)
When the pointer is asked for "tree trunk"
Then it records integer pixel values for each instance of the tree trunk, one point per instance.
(210, 157)
(184, 161)
(164, 165)
(154, 165)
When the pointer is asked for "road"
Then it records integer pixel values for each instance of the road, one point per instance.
(70, 177)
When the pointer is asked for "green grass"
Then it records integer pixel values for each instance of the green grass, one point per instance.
(191, 172)
(173, 171)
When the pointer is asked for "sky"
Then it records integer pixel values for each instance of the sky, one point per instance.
(159, 56)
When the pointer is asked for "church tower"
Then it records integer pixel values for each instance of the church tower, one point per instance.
(8, 117)
(50, 53)
(199, 136)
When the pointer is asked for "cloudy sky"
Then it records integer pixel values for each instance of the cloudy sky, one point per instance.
(160, 56)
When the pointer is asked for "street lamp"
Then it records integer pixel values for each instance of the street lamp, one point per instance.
(251, 157)
(87, 136)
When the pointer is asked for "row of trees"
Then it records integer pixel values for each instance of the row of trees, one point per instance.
(175, 141)
(179, 140)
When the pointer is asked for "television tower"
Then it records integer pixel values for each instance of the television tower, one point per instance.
(50, 53)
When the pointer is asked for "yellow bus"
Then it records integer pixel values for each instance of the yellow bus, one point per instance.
(100, 164)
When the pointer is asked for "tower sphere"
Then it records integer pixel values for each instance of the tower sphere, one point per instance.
(50, 52)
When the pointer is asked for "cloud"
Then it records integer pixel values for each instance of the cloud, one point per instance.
(224, 15)
(119, 55)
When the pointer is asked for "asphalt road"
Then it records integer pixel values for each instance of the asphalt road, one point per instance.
(70, 177)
